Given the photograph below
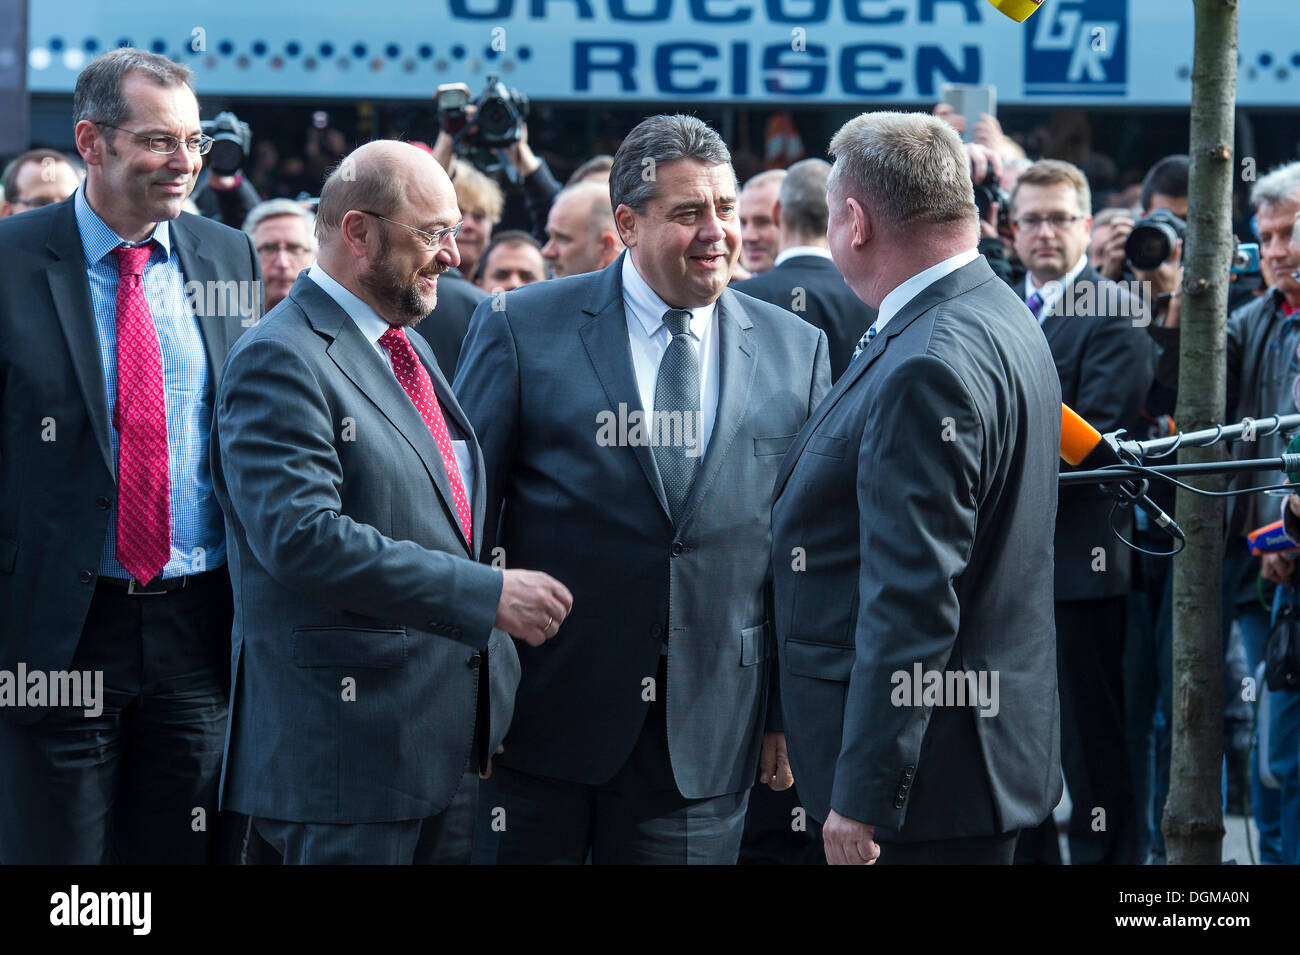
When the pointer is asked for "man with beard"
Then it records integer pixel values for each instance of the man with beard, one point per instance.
(372, 676)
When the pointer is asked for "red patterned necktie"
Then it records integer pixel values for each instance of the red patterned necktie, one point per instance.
(415, 381)
(143, 482)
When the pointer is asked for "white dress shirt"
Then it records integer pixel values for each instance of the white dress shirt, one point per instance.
(373, 327)
(797, 250)
(649, 337)
(1052, 292)
(898, 299)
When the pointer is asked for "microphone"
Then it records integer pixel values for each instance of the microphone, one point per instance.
(1082, 445)
(1018, 10)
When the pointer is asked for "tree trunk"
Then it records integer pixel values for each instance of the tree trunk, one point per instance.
(1193, 818)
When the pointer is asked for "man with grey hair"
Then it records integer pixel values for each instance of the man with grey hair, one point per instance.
(580, 230)
(758, 230)
(918, 660)
(1263, 339)
(805, 279)
(112, 339)
(284, 235)
(640, 412)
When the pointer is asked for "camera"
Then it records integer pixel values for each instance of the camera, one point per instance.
(1152, 240)
(231, 142)
(498, 120)
(1245, 261)
(989, 192)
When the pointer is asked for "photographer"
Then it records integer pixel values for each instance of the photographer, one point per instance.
(495, 122)
(222, 193)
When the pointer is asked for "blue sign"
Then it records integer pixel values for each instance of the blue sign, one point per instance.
(1078, 48)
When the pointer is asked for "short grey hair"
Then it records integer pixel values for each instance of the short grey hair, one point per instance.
(910, 168)
(98, 93)
(661, 139)
(803, 198)
(273, 208)
(1280, 186)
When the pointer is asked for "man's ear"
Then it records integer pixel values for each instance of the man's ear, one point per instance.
(776, 214)
(89, 142)
(358, 234)
(864, 226)
(625, 220)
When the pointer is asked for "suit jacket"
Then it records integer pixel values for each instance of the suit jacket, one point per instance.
(826, 302)
(536, 378)
(1106, 367)
(362, 621)
(444, 328)
(58, 478)
(943, 439)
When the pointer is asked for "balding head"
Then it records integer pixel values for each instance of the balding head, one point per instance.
(372, 210)
(580, 229)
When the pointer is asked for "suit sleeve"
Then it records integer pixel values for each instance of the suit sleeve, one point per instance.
(275, 440)
(487, 387)
(919, 466)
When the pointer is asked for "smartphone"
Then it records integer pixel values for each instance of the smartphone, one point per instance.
(970, 100)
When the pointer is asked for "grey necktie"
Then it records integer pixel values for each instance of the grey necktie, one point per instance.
(677, 412)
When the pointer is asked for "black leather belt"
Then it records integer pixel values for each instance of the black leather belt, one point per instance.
(154, 588)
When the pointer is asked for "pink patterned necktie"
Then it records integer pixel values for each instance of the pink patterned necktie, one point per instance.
(415, 381)
(143, 482)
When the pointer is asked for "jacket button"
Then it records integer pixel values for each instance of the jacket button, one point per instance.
(677, 548)
(909, 771)
(102, 502)
(85, 576)
(473, 661)
(898, 803)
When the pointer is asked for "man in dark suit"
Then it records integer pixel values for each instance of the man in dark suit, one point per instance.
(631, 421)
(918, 663)
(805, 280)
(116, 313)
(370, 677)
(1106, 364)
(447, 324)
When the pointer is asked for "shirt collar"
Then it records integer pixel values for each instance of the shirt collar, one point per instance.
(98, 240)
(363, 316)
(895, 301)
(797, 250)
(1051, 292)
(649, 308)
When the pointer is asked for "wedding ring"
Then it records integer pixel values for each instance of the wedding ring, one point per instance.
(549, 621)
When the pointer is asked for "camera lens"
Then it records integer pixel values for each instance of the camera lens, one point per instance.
(1149, 244)
(226, 156)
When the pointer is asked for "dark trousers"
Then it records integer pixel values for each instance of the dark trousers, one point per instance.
(979, 850)
(637, 818)
(772, 836)
(444, 839)
(138, 782)
(1094, 749)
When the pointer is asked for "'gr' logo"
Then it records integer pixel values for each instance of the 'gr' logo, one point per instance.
(1078, 47)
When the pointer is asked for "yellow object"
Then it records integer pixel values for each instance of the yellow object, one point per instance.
(1018, 10)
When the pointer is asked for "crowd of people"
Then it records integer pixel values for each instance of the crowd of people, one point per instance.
(340, 516)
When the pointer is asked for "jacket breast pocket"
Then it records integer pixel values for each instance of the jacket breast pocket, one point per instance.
(755, 644)
(828, 445)
(821, 661)
(775, 445)
(349, 647)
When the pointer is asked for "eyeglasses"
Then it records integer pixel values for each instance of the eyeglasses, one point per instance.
(1057, 221)
(166, 145)
(271, 249)
(431, 240)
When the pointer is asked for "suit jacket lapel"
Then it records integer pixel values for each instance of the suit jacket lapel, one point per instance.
(359, 361)
(951, 285)
(198, 267)
(605, 338)
(71, 293)
(736, 364)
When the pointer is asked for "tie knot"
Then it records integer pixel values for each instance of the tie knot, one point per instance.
(395, 340)
(678, 321)
(1035, 303)
(131, 259)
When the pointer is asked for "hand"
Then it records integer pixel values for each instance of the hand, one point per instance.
(1279, 567)
(984, 163)
(849, 842)
(1293, 504)
(533, 605)
(224, 183)
(774, 763)
(521, 156)
(1113, 258)
(1167, 279)
(989, 224)
(988, 132)
(487, 773)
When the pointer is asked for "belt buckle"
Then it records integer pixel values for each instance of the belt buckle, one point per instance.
(133, 587)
